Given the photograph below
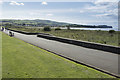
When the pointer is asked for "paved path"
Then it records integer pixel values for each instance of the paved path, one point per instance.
(104, 60)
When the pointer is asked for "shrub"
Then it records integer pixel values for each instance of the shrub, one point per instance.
(111, 31)
(98, 30)
(57, 29)
(118, 44)
(68, 27)
(47, 29)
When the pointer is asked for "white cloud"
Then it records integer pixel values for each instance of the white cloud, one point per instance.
(22, 3)
(16, 3)
(54, 11)
(81, 11)
(49, 14)
(44, 3)
(101, 15)
(101, 1)
(102, 9)
(1, 1)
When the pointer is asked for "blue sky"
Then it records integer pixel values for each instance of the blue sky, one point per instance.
(91, 13)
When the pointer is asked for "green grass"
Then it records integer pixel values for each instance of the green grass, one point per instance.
(103, 37)
(22, 60)
(0, 55)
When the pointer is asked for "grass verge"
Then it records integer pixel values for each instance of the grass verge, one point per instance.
(22, 60)
(0, 55)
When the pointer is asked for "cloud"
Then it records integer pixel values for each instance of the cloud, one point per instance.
(16, 3)
(102, 9)
(54, 11)
(81, 11)
(102, 1)
(1, 1)
(44, 3)
(101, 15)
(49, 14)
(106, 15)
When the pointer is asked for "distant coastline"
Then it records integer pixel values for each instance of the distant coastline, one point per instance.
(44, 23)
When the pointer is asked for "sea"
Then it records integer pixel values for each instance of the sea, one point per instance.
(103, 29)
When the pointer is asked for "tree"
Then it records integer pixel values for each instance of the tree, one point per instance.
(68, 27)
(47, 28)
(57, 29)
(111, 31)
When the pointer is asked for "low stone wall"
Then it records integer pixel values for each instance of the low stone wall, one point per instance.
(86, 44)
(27, 33)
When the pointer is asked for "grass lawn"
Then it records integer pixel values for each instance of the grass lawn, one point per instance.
(22, 60)
(97, 36)
(0, 55)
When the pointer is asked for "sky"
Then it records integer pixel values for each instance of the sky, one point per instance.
(87, 13)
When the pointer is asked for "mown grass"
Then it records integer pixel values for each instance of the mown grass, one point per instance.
(103, 37)
(22, 60)
(0, 55)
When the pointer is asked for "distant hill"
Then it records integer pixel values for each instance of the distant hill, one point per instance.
(89, 26)
(37, 23)
(43, 23)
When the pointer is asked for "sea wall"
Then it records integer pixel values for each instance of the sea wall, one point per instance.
(86, 44)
